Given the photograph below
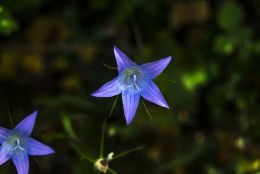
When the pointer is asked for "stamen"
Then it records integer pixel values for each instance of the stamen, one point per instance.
(17, 145)
(131, 79)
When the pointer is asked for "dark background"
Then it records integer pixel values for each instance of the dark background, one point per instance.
(51, 59)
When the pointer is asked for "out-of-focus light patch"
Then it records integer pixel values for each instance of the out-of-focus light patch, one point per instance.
(212, 170)
(60, 63)
(154, 153)
(1, 9)
(229, 15)
(256, 165)
(8, 63)
(199, 137)
(183, 115)
(241, 103)
(111, 131)
(7, 25)
(224, 45)
(188, 12)
(256, 47)
(33, 63)
(193, 80)
(87, 53)
(228, 47)
(244, 122)
(244, 166)
(240, 143)
(72, 82)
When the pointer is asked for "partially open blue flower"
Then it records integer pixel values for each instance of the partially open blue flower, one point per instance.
(16, 144)
(134, 81)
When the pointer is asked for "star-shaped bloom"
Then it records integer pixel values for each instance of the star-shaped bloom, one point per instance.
(17, 144)
(134, 81)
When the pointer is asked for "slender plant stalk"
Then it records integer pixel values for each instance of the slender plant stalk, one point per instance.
(80, 152)
(101, 151)
(171, 81)
(128, 152)
(111, 171)
(108, 66)
(11, 119)
(147, 111)
(114, 104)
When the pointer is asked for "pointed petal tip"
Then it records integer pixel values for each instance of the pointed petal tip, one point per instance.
(93, 94)
(36, 148)
(116, 49)
(168, 59)
(51, 151)
(128, 122)
(35, 113)
(164, 104)
(167, 106)
(27, 124)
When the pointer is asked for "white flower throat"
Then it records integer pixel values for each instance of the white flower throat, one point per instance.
(131, 78)
(15, 142)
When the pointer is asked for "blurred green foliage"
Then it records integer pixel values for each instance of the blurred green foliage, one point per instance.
(7, 23)
(52, 55)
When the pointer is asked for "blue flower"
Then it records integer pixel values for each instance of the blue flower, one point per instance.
(17, 145)
(134, 81)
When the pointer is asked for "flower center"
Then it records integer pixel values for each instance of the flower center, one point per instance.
(131, 78)
(16, 144)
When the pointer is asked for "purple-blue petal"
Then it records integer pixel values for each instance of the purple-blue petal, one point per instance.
(26, 126)
(153, 94)
(122, 60)
(130, 102)
(4, 154)
(35, 147)
(21, 161)
(153, 69)
(3, 133)
(109, 89)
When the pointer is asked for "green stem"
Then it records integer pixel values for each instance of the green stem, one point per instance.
(80, 152)
(111, 171)
(128, 152)
(147, 111)
(10, 118)
(114, 104)
(110, 67)
(171, 81)
(101, 152)
(101, 155)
